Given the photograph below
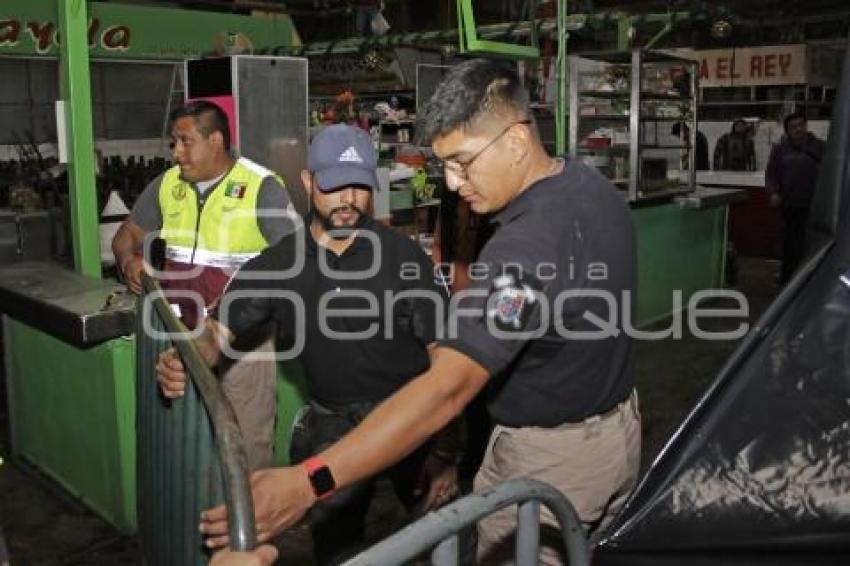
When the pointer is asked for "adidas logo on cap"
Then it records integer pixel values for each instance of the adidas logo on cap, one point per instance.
(350, 155)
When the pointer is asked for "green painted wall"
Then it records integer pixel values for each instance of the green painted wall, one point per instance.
(28, 27)
(74, 416)
(677, 249)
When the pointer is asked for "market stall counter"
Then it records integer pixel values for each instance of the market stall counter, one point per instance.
(753, 222)
(681, 248)
(69, 362)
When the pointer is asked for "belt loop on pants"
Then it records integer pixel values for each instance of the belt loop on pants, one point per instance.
(591, 425)
(629, 404)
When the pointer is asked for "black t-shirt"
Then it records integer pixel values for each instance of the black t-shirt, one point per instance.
(365, 354)
(561, 261)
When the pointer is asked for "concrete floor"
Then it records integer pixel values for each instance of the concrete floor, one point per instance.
(44, 526)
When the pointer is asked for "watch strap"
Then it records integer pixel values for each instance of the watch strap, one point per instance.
(320, 477)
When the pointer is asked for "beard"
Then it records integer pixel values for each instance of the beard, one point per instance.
(339, 232)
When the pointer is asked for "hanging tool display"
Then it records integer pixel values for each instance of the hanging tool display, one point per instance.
(129, 177)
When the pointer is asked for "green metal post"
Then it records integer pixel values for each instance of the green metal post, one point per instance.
(561, 75)
(76, 92)
(624, 32)
(461, 43)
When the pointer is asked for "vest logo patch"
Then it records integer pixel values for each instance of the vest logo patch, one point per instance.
(235, 190)
(350, 155)
(178, 192)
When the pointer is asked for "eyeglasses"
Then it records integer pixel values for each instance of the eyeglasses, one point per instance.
(461, 170)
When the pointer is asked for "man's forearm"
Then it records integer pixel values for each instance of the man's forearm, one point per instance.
(127, 242)
(408, 418)
(123, 251)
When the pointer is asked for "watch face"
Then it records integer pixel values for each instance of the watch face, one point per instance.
(322, 480)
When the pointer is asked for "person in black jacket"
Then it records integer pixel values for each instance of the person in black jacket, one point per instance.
(735, 150)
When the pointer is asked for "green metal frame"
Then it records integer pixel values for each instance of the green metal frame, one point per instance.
(473, 44)
(461, 37)
(624, 32)
(561, 74)
(76, 92)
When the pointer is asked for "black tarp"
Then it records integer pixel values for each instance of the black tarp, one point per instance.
(759, 471)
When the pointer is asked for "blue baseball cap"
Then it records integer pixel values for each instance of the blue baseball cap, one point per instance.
(342, 155)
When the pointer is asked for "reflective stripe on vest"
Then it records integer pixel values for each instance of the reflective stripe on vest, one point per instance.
(208, 258)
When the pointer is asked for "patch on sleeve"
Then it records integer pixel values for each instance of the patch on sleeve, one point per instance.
(513, 299)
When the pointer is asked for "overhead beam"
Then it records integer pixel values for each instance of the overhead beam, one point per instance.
(437, 38)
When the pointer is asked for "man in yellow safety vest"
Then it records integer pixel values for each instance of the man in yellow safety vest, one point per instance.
(215, 212)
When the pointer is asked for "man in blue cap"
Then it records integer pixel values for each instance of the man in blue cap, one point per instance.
(357, 303)
(559, 391)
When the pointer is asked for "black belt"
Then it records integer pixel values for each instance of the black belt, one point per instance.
(601, 416)
(597, 417)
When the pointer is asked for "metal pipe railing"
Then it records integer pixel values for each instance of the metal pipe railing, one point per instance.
(441, 527)
(228, 437)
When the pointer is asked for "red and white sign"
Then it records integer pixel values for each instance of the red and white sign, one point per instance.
(752, 66)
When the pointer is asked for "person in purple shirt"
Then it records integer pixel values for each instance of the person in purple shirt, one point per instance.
(790, 178)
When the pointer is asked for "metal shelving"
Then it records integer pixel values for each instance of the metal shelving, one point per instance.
(635, 101)
(613, 117)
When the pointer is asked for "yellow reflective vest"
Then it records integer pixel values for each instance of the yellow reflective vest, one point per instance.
(225, 232)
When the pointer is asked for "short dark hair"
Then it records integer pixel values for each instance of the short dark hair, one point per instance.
(470, 91)
(793, 116)
(209, 118)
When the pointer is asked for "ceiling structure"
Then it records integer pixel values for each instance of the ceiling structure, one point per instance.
(754, 22)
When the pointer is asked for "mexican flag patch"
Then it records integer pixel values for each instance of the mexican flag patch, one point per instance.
(235, 190)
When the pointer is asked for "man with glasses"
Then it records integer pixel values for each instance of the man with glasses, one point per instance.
(326, 287)
(538, 327)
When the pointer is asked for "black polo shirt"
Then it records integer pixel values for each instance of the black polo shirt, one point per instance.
(560, 262)
(366, 319)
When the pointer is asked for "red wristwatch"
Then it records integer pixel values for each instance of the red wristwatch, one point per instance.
(320, 477)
